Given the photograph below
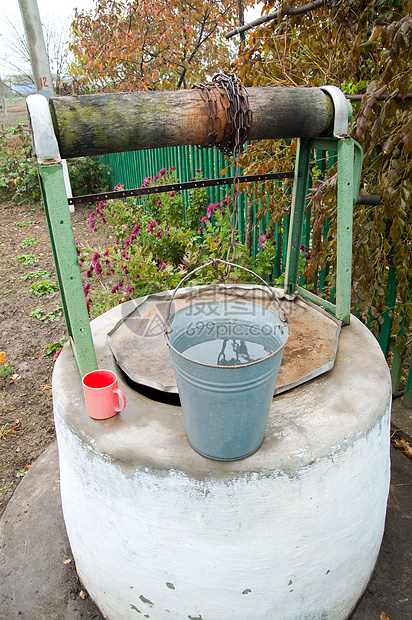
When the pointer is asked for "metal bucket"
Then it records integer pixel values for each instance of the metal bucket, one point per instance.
(226, 358)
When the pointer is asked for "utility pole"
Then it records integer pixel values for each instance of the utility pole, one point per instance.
(37, 48)
(39, 61)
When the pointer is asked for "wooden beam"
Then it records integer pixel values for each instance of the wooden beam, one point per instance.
(112, 123)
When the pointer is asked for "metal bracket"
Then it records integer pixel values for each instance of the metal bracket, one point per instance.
(343, 110)
(45, 144)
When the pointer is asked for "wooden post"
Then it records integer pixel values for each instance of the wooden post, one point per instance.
(112, 123)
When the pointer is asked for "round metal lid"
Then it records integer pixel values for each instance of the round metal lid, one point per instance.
(138, 344)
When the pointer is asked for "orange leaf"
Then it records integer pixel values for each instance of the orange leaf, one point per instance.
(384, 616)
(46, 387)
(223, 171)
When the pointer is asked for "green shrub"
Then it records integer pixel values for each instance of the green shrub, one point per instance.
(19, 175)
(87, 175)
(18, 169)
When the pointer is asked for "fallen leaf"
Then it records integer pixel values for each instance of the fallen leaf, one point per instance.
(384, 616)
(36, 357)
(47, 387)
(82, 594)
(27, 467)
(67, 561)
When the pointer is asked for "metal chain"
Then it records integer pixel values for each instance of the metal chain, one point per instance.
(233, 97)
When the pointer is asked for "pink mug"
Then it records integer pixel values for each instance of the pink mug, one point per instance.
(102, 394)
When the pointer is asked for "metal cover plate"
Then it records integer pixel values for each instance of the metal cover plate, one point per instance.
(138, 344)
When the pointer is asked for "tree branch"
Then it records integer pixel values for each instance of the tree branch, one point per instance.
(287, 12)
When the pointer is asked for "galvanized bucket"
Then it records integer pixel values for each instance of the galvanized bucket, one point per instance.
(226, 358)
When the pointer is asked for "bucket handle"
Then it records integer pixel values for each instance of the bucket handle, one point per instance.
(168, 328)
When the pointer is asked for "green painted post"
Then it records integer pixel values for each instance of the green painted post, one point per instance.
(346, 153)
(407, 398)
(390, 299)
(67, 266)
(297, 212)
(324, 272)
(285, 235)
(278, 239)
(396, 371)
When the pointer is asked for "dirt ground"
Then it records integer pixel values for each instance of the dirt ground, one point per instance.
(26, 416)
(26, 413)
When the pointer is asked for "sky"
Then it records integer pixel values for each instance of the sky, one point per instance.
(51, 11)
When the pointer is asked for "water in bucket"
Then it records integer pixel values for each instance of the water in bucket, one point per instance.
(226, 352)
(226, 357)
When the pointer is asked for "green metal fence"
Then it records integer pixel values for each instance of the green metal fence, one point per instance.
(131, 168)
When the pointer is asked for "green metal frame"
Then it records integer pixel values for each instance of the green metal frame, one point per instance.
(64, 247)
(350, 157)
(67, 265)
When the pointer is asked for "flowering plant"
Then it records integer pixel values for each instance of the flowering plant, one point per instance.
(156, 239)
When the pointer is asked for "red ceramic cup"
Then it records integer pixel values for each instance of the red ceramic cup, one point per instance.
(102, 394)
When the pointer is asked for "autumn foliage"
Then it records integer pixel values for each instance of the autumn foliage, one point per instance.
(365, 48)
(151, 44)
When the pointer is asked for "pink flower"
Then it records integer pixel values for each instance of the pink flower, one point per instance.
(171, 194)
(128, 289)
(98, 269)
(152, 225)
(163, 266)
(211, 209)
(118, 187)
